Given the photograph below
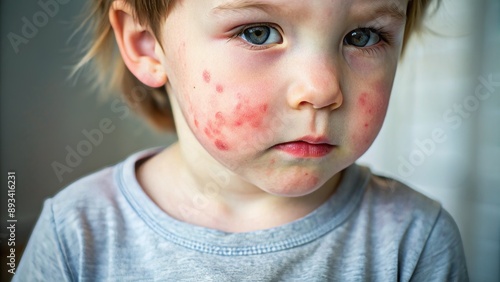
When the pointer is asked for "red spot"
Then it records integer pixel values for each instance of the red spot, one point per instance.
(363, 102)
(273, 161)
(196, 123)
(207, 132)
(263, 108)
(206, 76)
(219, 88)
(362, 99)
(366, 124)
(210, 130)
(220, 120)
(221, 145)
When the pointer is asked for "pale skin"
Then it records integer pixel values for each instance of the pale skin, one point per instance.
(265, 126)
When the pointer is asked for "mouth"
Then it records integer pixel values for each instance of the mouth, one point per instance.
(307, 147)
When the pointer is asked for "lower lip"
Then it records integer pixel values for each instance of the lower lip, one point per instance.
(305, 150)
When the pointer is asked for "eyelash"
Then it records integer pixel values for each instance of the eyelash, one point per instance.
(241, 30)
(385, 37)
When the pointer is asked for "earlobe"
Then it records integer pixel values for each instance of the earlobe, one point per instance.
(137, 46)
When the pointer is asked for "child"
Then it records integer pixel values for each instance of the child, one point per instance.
(273, 101)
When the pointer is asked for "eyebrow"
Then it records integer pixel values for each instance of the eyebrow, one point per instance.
(391, 10)
(243, 5)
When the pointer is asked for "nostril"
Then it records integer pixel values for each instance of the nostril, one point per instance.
(301, 104)
(335, 105)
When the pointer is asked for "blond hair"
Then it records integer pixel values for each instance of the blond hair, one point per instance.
(108, 71)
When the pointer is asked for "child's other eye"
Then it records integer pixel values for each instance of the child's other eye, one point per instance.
(261, 34)
(362, 37)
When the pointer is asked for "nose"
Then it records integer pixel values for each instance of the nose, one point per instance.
(315, 83)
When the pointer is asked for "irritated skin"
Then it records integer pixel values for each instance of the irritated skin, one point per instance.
(236, 105)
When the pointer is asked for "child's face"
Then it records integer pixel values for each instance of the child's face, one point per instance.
(285, 93)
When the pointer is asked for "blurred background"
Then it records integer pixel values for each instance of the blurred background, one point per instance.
(441, 135)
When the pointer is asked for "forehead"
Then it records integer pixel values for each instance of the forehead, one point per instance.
(394, 8)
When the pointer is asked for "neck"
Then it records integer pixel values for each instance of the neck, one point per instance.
(209, 195)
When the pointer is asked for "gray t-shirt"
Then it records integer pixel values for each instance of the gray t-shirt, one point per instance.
(105, 228)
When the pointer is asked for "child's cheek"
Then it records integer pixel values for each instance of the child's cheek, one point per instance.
(370, 109)
(232, 119)
(232, 127)
(370, 104)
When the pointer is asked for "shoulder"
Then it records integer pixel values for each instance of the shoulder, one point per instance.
(101, 190)
(64, 239)
(60, 232)
(443, 257)
(392, 197)
(90, 206)
(90, 192)
(426, 237)
(397, 212)
(97, 202)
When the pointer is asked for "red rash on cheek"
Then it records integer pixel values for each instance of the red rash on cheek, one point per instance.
(207, 132)
(247, 114)
(366, 107)
(219, 119)
(206, 76)
(362, 101)
(212, 130)
(226, 129)
(221, 145)
(370, 107)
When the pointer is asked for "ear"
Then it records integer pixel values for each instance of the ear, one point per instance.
(137, 45)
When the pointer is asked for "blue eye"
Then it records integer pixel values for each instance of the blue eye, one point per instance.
(261, 34)
(362, 37)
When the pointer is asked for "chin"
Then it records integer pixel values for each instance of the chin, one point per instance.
(293, 187)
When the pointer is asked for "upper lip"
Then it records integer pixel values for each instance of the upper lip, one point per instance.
(315, 140)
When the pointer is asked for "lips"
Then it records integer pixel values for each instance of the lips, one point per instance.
(307, 147)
